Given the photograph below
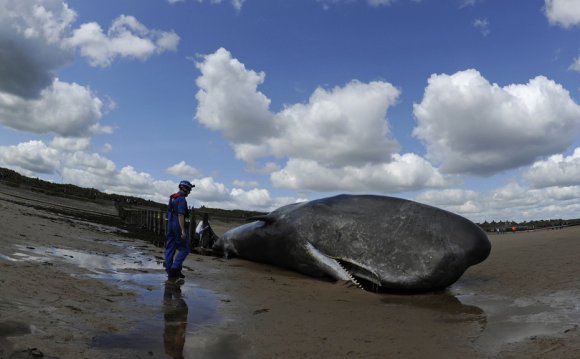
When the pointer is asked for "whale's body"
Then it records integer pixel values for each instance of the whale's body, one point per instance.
(384, 242)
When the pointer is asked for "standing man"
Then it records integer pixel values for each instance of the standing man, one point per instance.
(176, 232)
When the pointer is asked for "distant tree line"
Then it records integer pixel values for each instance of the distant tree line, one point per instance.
(512, 226)
(123, 203)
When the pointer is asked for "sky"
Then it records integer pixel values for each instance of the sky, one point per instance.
(468, 105)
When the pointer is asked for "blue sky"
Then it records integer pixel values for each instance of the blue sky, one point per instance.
(468, 105)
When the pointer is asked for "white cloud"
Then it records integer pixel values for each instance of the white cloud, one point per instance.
(35, 37)
(575, 66)
(565, 13)
(557, 170)
(63, 108)
(92, 163)
(37, 157)
(518, 202)
(75, 166)
(380, 2)
(30, 158)
(182, 169)
(511, 202)
(70, 144)
(207, 189)
(326, 4)
(343, 126)
(69, 161)
(447, 197)
(265, 169)
(210, 193)
(254, 198)
(482, 25)
(464, 202)
(38, 19)
(30, 38)
(237, 4)
(107, 147)
(229, 101)
(126, 37)
(403, 173)
(341, 132)
(129, 180)
(466, 3)
(472, 126)
(246, 184)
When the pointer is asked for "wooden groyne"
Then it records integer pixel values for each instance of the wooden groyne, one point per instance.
(155, 222)
(152, 226)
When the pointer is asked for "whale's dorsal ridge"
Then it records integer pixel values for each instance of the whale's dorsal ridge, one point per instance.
(264, 218)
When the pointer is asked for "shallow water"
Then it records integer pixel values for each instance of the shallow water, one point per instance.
(187, 319)
(185, 311)
(186, 315)
(494, 321)
(512, 320)
(94, 262)
(12, 328)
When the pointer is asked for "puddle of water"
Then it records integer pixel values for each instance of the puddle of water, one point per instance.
(512, 320)
(497, 320)
(187, 318)
(96, 263)
(186, 313)
(13, 329)
(450, 308)
(7, 258)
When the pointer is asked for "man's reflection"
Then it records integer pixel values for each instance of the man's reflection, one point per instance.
(175, 319)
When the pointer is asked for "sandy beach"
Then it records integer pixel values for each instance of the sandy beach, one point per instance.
(74, 288)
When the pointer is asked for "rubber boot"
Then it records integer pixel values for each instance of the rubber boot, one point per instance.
(173, 274)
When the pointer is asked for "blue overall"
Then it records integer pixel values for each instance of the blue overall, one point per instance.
(174, 242)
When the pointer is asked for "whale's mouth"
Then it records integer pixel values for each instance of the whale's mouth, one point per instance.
(363, 277)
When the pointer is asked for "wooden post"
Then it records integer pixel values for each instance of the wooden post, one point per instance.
(156, 222)
(159, 223)
(164, 227)
(192, 226)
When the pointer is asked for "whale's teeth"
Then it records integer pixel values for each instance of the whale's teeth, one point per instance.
(350, 276)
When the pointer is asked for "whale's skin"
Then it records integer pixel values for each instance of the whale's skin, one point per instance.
(389, 243)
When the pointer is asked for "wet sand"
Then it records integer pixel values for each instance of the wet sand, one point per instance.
(71, 288)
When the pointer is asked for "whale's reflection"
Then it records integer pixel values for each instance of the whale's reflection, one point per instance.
(451, 309)
(175, 315)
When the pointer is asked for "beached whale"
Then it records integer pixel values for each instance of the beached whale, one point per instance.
(383, 243)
